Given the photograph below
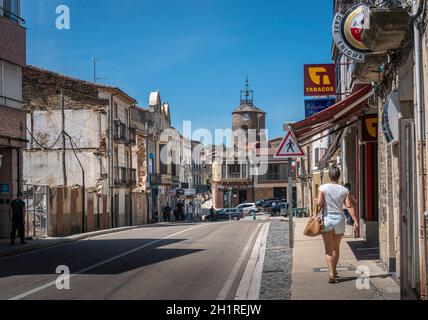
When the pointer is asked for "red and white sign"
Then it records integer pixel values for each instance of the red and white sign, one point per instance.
(289, 148)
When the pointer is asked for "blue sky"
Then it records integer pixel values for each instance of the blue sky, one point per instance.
(196, 52)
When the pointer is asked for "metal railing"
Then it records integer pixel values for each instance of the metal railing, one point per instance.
(386, 3)
(272, 177)
(11, 16)
(4, 100)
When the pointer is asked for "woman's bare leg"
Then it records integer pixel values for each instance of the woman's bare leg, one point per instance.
(336, 251)
(328, 238)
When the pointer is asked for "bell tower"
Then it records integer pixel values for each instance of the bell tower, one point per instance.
(247, 116)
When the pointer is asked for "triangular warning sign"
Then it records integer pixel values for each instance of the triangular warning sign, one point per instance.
(289, 148)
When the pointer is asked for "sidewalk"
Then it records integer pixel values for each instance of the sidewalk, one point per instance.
(310, 273)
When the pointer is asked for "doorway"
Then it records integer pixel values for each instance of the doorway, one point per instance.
(409, 242)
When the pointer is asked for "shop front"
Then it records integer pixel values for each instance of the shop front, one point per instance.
(230, 195)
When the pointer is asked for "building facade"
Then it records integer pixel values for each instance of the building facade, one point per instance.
(248, 171)
(81, 138)
(12, 118)
(376, 132)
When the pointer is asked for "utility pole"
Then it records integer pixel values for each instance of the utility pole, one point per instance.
(64, 169)
(95, 69)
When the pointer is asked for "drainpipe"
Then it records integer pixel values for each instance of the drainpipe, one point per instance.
(111, 160)
(421, 109)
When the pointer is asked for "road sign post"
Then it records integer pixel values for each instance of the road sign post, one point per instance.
(289, 149)
(290, 203)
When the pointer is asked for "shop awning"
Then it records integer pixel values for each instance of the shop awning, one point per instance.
(334, 146)
(336, 115)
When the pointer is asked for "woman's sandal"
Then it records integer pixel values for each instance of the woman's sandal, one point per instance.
(332, 279)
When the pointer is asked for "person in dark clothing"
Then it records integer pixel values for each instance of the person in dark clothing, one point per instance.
(176, 215)
(349, 219)
(167, 213)
(17, 215)
(212, 214)
(180, 209)
(155, 215)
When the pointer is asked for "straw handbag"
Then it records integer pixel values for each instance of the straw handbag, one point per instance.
(314, 226)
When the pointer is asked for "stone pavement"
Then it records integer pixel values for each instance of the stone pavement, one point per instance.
(310, 273)
(276, 277)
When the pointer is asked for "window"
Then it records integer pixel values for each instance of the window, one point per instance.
(234, 171)
(10, 9)
(116, 113)
(163, 165)
(244, 171)
(10, 85)
(127, 159)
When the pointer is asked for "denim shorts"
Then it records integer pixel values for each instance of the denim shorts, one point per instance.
(335, 221)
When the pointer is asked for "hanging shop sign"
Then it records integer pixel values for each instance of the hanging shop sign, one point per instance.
(390, 116)
(313, 106)
(237, 186)
(370, 127)
(347, 33)
(320, 79)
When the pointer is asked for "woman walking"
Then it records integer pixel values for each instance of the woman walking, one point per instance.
(332, 197)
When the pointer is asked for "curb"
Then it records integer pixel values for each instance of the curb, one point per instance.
(249, 286)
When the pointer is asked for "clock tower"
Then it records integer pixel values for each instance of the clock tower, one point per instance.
(247, 116)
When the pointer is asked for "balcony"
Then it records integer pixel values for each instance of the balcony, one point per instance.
(11, 16)
(123, 175)
(386, 28)
(272, 178)
(132, 136)
(122, 134)
(132, 177)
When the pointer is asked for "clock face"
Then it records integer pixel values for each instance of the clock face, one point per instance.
(246, 117)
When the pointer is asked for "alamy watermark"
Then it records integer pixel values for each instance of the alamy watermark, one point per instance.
(63, 20)
(363, 280)
(63, 281)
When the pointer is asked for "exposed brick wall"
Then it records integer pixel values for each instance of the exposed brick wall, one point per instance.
(41, 91)
(12, 123)
(264, 193)
(12, 42)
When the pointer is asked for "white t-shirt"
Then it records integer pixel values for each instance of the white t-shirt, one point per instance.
(334, 197)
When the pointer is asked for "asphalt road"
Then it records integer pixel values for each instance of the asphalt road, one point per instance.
(172, 262)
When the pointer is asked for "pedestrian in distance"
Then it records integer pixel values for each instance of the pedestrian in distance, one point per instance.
(176, 215)
(349, 219)
(17, 216)
(332, 197)
(191, 211)
(167, 213)
(155, 215)
(180, 210)
(212, 214)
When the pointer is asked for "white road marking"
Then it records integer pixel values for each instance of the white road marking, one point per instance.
(249, 287)
(53, 283)
(234, 273)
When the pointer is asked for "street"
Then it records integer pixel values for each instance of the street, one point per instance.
(182, 261)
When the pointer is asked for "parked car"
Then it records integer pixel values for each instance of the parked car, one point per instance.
(248, 208)
(281, 209)
(229, 214)
(268, 204)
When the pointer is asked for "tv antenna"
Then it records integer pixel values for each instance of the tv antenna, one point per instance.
(95, 78)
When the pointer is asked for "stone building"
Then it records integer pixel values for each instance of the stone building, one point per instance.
(376, 132)
(80, 137)
(12, 118)
(154, 122)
